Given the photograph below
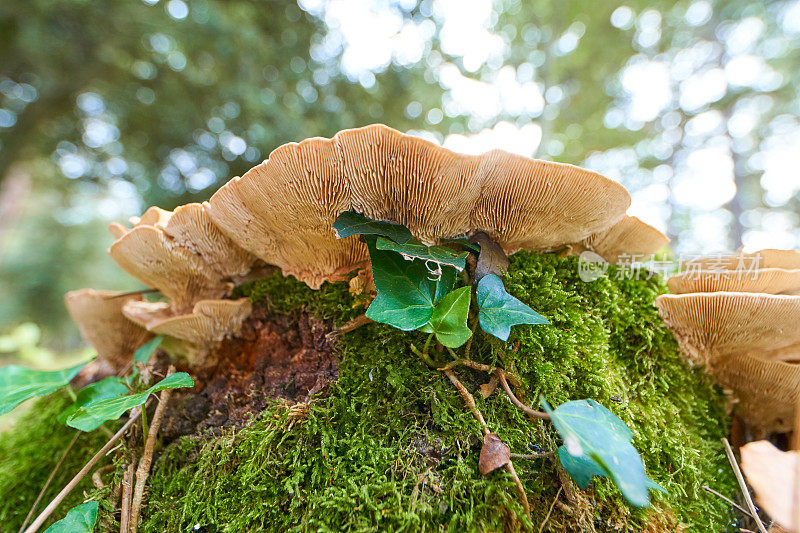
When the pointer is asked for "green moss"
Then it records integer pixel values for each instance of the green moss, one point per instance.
(28, 454)
(392, 448)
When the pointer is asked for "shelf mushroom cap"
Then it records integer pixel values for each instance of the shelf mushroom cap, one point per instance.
(768, 258)
(766, 280)
(767, 390)
(630, 239)
(282, 210)
(711, 327)
(207, 324)
(103, 325)
(183, 255)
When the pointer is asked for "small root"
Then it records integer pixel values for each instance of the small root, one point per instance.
(127, 492)
(550, 511)
(515, 401)
(97, 477)
(356, 323)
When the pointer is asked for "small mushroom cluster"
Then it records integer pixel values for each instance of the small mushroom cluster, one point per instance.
(281, 212)
(738, 316)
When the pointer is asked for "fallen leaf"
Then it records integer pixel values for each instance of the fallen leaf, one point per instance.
(773, 474)
(491, 259)
(494, 453)
(488, 388)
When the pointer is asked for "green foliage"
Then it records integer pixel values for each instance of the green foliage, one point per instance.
(392, 448)
(407, 292)
(441, 255)
(146, 351)
(592, 434)
(499, 311)
(109, 387)
(351, 223)
(30, 450)
(90, 416)
(449, 319)
(80, 519)
(18, 384)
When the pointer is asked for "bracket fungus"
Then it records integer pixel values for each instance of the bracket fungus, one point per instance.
(203, 328)
(282, 210)
(102, 324)
(629, 238)
(183, 255)
(738, 315)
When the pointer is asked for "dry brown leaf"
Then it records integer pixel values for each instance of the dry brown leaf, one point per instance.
(494, 453)
(488, 388)
(773, 474)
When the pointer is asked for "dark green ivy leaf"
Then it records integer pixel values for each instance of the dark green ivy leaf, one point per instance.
(110, 387)
(597, 443)
(407, 292)
(91, 416)
(438, 254)
(79, 519)
(18, 384)
(498, 310)
(449, 319)
(352, 223)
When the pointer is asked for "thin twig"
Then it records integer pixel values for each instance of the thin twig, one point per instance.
(715, 493)
(132, 293)
(550, 511)
(745, 491)
(469, 400)
(357, 322)
(143, 471)
(79, 476)
(515, 401)
(49, 480)
(541, 455)
(127, 492)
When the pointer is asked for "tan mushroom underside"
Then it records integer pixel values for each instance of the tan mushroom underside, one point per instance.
(768, 280)
(713, 326)
(629, 239)
(282, 210)
(767, 390)
(103, 325)
(208, 323)
(184, 255)
(768, 258)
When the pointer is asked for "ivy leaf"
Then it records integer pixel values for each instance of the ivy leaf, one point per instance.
(18, 384)
(407, 293)
(498, 310)
(91, 416)
(599, 443)
(491, 259)
(352, 223)
(79, 519)
(582, 469)
(449, 318)
(146, 351)
(110, 387)
(438, 254)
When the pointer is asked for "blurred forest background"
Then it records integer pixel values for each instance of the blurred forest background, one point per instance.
(109, 107)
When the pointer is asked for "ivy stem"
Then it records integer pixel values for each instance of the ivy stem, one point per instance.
(424, 356)
(513, 378)
(357, 322)
(515, 401)
(469, 400)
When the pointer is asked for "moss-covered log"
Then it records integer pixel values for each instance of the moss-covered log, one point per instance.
(389, 446)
